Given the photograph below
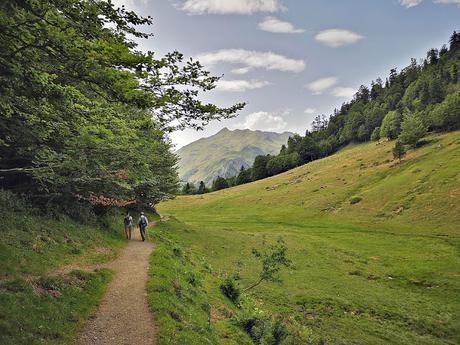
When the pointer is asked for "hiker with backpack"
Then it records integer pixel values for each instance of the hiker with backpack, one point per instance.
(128, 220)
(142, 224)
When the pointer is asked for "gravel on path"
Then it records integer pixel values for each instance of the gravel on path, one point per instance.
(123, 317)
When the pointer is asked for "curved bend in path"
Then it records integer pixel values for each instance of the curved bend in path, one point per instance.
(123, 317)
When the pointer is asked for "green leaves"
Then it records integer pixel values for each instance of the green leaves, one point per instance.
(83, 114)
(412, 129)
(272, 259)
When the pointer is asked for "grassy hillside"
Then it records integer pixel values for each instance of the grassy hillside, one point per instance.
(224, 153)
(39, 302)
(375, 247)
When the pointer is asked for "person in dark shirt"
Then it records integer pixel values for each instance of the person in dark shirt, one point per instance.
(142, 224)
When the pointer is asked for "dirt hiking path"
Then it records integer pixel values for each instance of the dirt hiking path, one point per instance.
(123, 318)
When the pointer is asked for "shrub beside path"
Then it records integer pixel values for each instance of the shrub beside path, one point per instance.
(123, 317)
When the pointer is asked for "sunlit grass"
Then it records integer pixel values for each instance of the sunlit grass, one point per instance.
(380, 270)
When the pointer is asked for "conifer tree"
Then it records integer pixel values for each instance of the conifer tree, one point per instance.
(399, 151)
(202, 188)
(432, 56)
(455, 74)
(412, 130)
(219, 183)
(454, 41)
(186, 189)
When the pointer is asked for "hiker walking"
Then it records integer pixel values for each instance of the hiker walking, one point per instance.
(142, 223)
(128, 220)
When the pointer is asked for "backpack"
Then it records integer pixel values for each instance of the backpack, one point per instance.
(127, 220)
(143, 222)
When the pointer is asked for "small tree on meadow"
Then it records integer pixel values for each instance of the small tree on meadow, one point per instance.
(412, 130)
(272, 259)
(399, 151)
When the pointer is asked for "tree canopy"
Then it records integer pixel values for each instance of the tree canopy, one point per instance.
(84, 113)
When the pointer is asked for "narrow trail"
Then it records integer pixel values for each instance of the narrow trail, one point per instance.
(124, 318)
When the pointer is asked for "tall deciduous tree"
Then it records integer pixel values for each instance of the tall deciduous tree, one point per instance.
(244, 176)
(84, 114)
(259, 168)
(390, 125)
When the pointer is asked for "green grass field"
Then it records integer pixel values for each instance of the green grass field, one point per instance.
(375, 247)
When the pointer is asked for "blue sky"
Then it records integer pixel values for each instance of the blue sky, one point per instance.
(293, 59)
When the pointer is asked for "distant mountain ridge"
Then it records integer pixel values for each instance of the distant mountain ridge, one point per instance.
(224, 153)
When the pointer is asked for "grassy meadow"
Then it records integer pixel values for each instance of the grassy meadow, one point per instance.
(374, 245)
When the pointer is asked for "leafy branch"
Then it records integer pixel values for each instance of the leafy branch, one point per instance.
(273, 260)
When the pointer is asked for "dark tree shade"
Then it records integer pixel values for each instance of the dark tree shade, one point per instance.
(219, 183)
(259, 168)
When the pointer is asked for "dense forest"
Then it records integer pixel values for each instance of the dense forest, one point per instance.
(423, 97)
(84, 114)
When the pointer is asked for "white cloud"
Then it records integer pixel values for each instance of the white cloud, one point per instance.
(252, 60)
(310, 111)
(413, 3)
(264, 121)
(344, 92)
(448, 2)
(242, 70)
(272, 24)
(230, 6)
(338, 37)
(240, 85)
(410, 3)
(321, 85)
(129, 4)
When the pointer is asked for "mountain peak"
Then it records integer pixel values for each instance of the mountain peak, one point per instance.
(223, 153)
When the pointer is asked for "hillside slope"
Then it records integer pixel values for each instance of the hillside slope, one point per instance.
(224, 153)
(374, 243)
(44, 296)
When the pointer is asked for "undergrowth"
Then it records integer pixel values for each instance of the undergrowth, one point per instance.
(38, 304)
